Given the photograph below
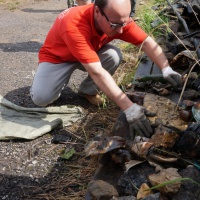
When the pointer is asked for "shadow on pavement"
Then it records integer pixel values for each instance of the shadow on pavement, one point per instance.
(42, 10)
(30, 46)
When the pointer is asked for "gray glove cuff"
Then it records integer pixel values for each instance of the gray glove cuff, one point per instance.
(134, 112)
(170, 75)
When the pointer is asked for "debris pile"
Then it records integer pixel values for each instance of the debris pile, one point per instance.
(155, 163)
(167, 165)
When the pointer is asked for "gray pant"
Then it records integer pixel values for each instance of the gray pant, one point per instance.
(50, 78)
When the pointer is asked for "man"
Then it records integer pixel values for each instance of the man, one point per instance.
(73, 3)
(83, 2)
(79, 40)
(133, 5)
(70, 3)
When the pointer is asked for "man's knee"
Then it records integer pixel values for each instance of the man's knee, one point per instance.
(116, 55)
(40, 98)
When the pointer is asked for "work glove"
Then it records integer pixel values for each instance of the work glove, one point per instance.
(138, 122)
(171, 76)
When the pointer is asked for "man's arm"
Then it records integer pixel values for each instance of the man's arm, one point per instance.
(134, 113)
(107, 85)
(156, 54)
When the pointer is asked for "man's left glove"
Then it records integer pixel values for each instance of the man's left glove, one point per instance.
(137, 120)
(173, 77)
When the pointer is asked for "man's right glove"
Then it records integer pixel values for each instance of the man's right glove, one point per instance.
(170, 75)
(137, 120)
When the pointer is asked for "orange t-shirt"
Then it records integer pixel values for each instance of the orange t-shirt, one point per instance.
(73, 37)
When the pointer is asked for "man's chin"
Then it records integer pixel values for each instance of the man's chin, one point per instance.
(111, 34)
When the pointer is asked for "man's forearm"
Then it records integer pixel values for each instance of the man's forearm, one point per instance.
(107, 85)
(155, 53)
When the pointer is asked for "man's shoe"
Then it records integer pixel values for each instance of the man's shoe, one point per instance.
(93, 99)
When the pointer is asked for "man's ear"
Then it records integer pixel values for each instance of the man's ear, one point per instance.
(96, 10)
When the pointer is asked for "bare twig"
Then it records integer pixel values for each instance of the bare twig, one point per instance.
(73, 134)
(179, 17)
(185, 83)
(193, 12)
(194, 40)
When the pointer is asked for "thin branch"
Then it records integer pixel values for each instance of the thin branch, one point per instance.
(186, 84)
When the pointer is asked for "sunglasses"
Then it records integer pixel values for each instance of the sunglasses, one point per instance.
(115, 26)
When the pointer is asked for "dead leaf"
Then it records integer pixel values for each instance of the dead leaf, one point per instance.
(144, 191)
(132, 163)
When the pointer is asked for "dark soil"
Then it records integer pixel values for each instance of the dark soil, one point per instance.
(34, 169)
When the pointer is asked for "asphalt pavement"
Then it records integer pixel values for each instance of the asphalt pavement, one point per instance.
(22, 32)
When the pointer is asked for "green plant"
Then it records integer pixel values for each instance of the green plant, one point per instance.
(13, 5)
(147, 18)
(173, 181)
(127, 47)
(67, 154)
(151, 20)
(105, 100)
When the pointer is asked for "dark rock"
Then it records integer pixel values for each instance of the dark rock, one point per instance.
(156, 196)
(196, 85)
(61, 138)
(189, 190)
(134, 178)
(188, 144)
(186, 115)
(190, 94)
(176, 46)
(124, 198)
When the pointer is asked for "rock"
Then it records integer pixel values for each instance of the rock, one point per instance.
(190, 94)
(196, 111)
(189, 190)
(185, 115)
(157, 196)
(164, 137)
(134, 178)
(188, 144)
(124, 198)
(164, 176)
(101, 190)
(166, 114)
(176, 46)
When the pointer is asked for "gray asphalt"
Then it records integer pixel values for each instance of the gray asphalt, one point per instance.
(22, 33)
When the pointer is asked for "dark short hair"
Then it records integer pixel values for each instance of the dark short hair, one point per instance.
(101, 4)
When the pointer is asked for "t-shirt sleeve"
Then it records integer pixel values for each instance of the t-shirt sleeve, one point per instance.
(133, 34)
